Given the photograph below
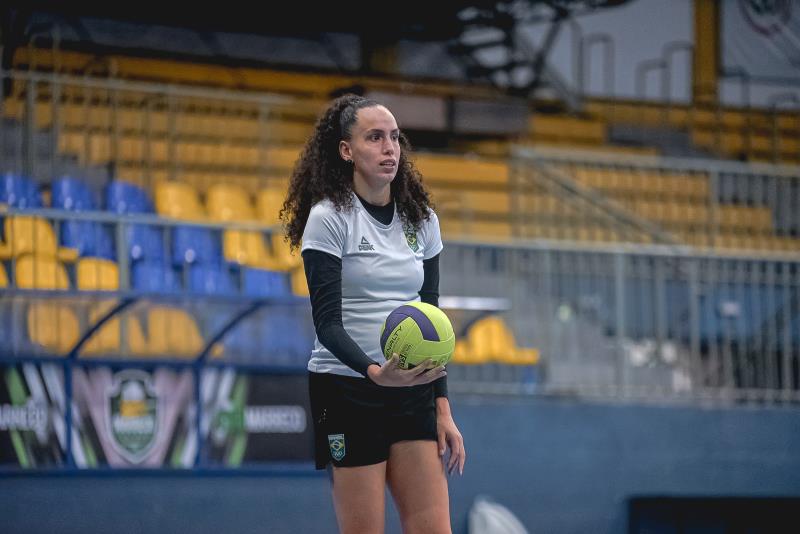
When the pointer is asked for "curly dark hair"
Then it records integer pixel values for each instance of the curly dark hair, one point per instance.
(320, 173)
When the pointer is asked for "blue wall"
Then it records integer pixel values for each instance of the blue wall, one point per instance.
(560, 466)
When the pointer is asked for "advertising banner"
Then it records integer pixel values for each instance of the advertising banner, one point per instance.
(32, 423)
(146, 418)
(256, 418)
(135, 417)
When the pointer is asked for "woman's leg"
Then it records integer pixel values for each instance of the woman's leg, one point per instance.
(358, 498)
(416, 478)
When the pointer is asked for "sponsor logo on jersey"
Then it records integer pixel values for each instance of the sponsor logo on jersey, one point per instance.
(336, 443)
(132, 414)
(365, 245)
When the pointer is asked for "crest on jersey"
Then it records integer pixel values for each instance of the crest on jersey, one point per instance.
(336, 444)
(411, 238)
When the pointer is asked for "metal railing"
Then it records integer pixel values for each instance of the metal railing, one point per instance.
(550, 204)
(703, 203)
(628, 322)
(643, 323)
(145, 132)
(59, 297)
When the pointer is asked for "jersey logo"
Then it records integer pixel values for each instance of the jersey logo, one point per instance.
(336, 443)
(411, 238)
(364, 246)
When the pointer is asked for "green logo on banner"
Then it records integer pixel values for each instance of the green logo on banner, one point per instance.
(336, 443)
(132, 414)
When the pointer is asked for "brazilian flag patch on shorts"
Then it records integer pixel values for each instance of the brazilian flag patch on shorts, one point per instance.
(336, 443)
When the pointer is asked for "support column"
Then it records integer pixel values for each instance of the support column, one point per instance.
(706, 61)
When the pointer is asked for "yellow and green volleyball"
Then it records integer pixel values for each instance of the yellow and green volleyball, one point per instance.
(417, 331)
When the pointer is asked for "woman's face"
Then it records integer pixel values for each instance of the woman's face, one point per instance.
(374, 146)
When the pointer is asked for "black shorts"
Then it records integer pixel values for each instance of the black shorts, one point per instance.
(356, 421)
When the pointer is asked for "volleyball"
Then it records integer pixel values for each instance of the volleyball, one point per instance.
(417, 331)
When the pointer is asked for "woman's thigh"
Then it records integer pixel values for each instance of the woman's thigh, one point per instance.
(358, 498)
(416, 478)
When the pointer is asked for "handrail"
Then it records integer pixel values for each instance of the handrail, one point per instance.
(585, 48)
(72, 354)
(669, 162)
(668, 53)
(151, 87)
(568, 189)
(642, 69)
(102, 216)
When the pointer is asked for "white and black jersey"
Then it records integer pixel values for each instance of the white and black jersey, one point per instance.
(381, 268)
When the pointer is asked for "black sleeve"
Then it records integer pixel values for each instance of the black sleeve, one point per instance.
(324, 276)
(429, 293)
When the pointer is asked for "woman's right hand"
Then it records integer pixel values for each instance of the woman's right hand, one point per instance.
(391, 375)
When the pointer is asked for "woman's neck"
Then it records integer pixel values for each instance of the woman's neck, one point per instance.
(380, 196)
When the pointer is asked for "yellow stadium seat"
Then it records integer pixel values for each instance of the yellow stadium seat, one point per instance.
(282, 252)
(268, 205)
(461, 352)
(108, 338)
(490, 339)
(3, 277)
(172, 332)
(464, 354)
(226, 202)
(40, 272)
(32, 235)
(248, 248)
(524, 356)
(299, 283)
(178, 200)
(54, 326)
(96, 274)
(230, 203)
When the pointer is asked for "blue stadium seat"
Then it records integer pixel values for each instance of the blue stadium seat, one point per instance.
(191, 244)
(263, 283)
(19, 192)
(153, 277)
(210, 280)
(88, 237)
(91, 239)
(72, 194)
(124, 197)
(145, 242)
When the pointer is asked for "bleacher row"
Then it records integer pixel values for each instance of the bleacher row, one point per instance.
(751, 133)
(81, 254)
(205, 142)
(179, 258)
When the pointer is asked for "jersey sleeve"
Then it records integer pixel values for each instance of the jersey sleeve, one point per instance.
(431, 236)
(325, 230)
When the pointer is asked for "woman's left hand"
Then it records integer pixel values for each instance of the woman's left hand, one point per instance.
(449, 436)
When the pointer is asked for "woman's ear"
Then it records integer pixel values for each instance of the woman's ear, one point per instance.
(345, 152)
